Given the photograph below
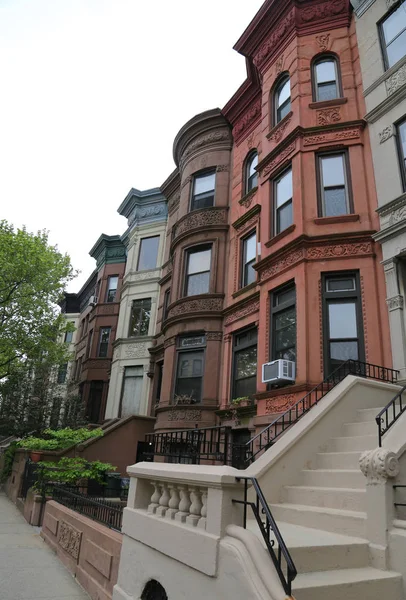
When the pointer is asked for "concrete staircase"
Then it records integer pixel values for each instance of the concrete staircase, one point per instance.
(323, 522)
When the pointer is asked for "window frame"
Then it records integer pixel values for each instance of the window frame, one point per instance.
(197, 175)
(277, 309)
(147, 237)
(381, 34)
(243, 264)
(327, 297)
(247, 164)
(62, 374)
(126, 368)
(142, 311)
(325, 58)
(106, 299)
(166, 303)
(185, 350)
(68, 333)
(347, 182)
(100, 342)
(235, 350)
(275, 208)
(401, 156)
(280, 82)
(188, 252)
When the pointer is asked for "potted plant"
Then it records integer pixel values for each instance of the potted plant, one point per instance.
(241, 401)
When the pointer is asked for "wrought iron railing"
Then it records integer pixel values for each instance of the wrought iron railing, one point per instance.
(190, 445)
(29, 478)
(266, 438)
(106, 512)
(390, 414)
(280, 555)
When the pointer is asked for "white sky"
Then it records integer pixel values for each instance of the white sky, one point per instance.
(92, 94)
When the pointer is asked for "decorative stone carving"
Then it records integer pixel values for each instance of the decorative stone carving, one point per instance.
(279, 130)
(323, 41)
(378, 465)
(198, 305)
(187, 180)
(205, 140)
(283, 263)
(278, 159)
(135, 350)
(106, 309)
(222, 168)
(385, 134)
(115, 252)
(395, 303)
(246, 200)
(279, 65)
(171, 341)
(69, 539)
(247, 119)
(332, 136)
(279, 404)
(214, 336)
(135, 276)
(339, 250)
(250, 141)
(248, 309)
(327, 116)
(201, 219)
(97, 364)
(397, 215)
(268, 48)
(227, 338)
(185, 415)
(321, 11)
(395, 81)
(139, 213)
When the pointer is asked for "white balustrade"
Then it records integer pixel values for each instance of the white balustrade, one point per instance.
(181, 503)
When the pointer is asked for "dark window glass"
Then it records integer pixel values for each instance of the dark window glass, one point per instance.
(282, 100)
(249, 251)
(198, 271)
(394, 35)
(334, 185)
(89, 343)
(104, 341)
(111, 288)
(326, 79)
(245, 363)
(167, 297)
(148, 256)
(159, 375)
(140, 316)
(68, 337)
(190, 375)
(63, 369)
(284, 324)
(203, 191)
(251, 175)
(94, 402)
(283, 201)
(401, 130)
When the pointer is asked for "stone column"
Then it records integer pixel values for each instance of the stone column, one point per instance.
(395, 302)
(379, 466)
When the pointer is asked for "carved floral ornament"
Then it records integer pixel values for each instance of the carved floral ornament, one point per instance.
(198, 305)
(248, 309)
(280, 32)
(185, 415)
(279, 130)
(379, 465)
(395, 303)
(69, 539)
(247, 119)
(201, 219)
(279, 404)
(323, 41)
(205, 140)
(279, 65)
(332, 136)
(385, 134)
(395, 81)
(278, 159)
(328, 9)
(328, 116)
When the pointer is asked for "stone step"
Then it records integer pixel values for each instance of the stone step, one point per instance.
(349, 444)
(312, 549)
(348, 584)
(345, 522)
(367, 414)
(335, 478)
(359, 429)
(325, 497)
(338, 460)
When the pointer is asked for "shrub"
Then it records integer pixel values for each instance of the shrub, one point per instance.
(59, 439)
(72, 470)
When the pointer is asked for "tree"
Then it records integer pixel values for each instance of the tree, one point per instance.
(33, 276)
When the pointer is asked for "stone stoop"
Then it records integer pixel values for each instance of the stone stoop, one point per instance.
(323, 522)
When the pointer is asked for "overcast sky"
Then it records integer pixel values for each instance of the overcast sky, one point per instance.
(92, 95)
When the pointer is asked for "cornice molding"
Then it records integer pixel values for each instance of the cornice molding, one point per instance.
(384, 76)
(255, 210)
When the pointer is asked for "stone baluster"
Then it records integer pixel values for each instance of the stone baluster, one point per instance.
(202, 521)
(163, 500)
(154, 498)
(173, 502)
(184, 504)
(195, 507)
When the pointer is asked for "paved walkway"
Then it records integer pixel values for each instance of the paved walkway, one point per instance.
(29, 570)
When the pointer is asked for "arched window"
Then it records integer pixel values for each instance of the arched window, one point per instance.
(282, 99)
(251, 175)
(326, 85)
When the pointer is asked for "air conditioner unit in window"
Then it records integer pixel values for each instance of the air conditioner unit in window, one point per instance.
(279, 371)
(93, 300)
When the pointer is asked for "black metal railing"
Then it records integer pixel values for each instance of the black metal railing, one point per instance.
(190, 446)
(106, 512)
(30, 477)
(280, 555)
(390, 414)
(266, 438)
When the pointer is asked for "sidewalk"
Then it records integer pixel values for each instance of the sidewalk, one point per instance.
(29, 570)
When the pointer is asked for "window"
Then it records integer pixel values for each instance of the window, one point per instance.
(245, 363)
(94, 401)
(190, 367)
(282, 99)
(401, 137)
(63, 369)
(342, 320)
(148, 255)
(132, 391)
(334, 188)
(283, 194)
(251, 175)
(112, 287)
(68, 337)
(249, 256)
(283, 310)
(140, 316)
(89, 343)
(325, 74)
(203, 190)
(104, 342)
(393, 35)
(198, 271)
(167, 299)
(159, 375)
